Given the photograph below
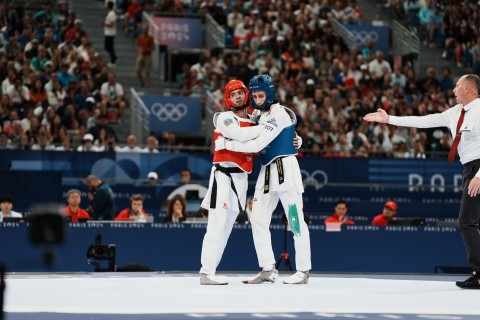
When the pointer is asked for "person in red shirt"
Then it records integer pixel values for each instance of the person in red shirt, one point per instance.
(73, 210)
(389, 211)
(135, 212)
(129, 17)
(145, 47)
(340, 215)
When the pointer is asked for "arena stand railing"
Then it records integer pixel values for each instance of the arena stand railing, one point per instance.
(140, 120)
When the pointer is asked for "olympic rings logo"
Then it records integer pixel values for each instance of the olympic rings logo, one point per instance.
(318, 179)
(360, 37)
(169, 111)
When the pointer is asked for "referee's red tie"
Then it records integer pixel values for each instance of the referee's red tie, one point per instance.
(453, 149)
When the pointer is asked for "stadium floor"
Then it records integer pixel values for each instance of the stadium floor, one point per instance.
(152, 295)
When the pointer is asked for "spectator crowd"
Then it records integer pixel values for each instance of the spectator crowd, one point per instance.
(57, 93)
(329, 85)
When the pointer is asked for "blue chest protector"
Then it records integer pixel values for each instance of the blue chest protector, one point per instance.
(282, 145)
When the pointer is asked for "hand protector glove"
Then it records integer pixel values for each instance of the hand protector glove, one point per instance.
(297, 141)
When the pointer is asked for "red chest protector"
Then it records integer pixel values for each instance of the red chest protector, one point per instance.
(241, 159)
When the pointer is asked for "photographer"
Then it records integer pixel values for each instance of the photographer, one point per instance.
(102, 206)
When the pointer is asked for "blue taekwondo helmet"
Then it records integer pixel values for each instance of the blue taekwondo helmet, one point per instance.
(265, 83)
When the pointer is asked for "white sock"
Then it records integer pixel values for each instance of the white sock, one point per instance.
(268, 268)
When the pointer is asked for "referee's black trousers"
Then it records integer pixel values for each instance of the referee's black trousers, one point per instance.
(469, 216)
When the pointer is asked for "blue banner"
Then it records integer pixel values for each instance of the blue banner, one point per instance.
(177, 247)
(173, 114)
(359, 33)
(420, 187)
(179, 33)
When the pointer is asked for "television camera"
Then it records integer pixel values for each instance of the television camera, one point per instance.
(98, 252)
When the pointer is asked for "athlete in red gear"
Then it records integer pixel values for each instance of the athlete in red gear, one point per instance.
(227, 190)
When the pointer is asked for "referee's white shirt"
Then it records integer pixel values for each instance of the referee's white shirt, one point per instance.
(469, 146)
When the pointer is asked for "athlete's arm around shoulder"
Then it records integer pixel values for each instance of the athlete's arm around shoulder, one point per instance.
(275, 121)
(229, 126)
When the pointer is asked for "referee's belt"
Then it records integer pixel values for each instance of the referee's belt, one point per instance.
(281, 177)
(226, 171)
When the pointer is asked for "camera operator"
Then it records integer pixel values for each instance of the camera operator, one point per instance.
(102, 206)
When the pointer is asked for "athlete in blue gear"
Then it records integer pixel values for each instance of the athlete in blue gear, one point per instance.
(279, 179)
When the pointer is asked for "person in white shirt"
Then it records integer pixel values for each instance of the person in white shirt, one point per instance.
(152, 145)
(131, 145)
(112, 94)
(87, 144)
(463, 121)
(43, 142)
(18, 92)
(109, 32)
(9, 80)
(379, 67)
(240, 32)
(6, 205)
(234, 18)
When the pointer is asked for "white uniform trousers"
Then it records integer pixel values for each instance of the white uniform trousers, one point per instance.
(222, 218)
(263, 206)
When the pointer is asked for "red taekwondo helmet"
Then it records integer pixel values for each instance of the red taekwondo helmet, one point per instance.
(232, 86)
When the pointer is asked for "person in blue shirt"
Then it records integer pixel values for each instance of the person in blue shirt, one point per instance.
(64, 76)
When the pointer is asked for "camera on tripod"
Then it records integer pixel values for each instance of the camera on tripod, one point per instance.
(98, 252)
